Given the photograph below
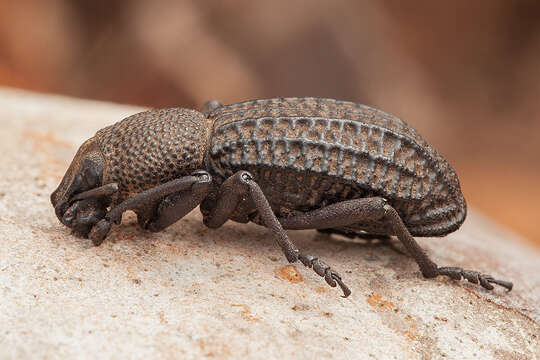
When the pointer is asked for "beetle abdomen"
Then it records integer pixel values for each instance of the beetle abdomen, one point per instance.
(376, 153)
(153, 147)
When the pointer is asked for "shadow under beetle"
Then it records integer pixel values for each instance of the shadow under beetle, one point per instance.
(284, 163)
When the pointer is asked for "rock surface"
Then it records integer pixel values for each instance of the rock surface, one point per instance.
(192, 292)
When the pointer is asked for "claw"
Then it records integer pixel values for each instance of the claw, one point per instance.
(505, 284)
(331, 277)
(344, 288)
(484, 281)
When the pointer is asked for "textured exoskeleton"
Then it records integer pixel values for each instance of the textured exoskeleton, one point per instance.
(293, 163)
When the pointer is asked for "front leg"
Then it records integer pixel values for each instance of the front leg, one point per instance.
(159, 206)
(242, 184)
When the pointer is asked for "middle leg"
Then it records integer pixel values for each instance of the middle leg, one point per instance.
(242, 184)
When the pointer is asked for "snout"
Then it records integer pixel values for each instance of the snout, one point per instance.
(78, 214)
(60, 198)
(84, 173)
(55, 197)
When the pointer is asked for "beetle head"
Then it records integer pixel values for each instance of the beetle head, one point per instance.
(84, 173)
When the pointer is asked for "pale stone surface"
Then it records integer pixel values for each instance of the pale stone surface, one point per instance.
(191, 292)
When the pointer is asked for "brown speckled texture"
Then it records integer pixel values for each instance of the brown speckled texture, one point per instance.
(153, 147)
(305, 152)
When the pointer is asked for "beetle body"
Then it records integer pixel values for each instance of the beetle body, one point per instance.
(306, 153)
(290, 163)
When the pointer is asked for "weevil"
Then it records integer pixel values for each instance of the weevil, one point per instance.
(284, 163)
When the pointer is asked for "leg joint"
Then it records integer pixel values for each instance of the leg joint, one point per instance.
(203, 184)
(202, 176)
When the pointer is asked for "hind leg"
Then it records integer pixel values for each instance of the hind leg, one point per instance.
(377, 209)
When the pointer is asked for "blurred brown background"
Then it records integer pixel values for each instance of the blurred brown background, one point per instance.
(466, 74)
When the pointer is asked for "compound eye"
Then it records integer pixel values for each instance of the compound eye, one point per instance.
(92, 174)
